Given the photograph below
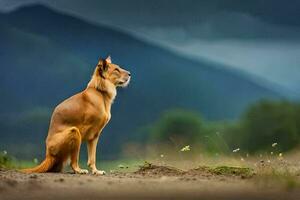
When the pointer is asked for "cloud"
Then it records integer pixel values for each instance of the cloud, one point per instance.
(240, 41)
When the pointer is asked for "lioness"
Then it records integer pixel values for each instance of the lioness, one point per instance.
(82, 117)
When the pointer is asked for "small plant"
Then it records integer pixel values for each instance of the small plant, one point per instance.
(146, 164)
(35, 161)
(5, 160)
(122, 166)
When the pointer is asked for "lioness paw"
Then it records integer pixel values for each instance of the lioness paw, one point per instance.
(82, 171)
(98, 172)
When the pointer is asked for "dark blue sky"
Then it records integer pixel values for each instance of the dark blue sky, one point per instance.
(169, 12)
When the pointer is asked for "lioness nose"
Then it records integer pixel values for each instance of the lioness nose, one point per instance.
(129, 74)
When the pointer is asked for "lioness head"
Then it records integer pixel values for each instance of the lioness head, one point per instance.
(107, 76)
(113, 73)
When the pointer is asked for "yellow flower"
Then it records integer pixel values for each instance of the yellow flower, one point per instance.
(236, 150)
(274, 144)
(186, 148)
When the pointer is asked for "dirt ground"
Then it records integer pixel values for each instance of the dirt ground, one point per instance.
(154, 182)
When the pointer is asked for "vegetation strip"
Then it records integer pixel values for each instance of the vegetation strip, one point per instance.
(152, 170)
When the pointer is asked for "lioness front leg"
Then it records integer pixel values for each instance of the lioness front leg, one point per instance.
(92, 145)
(74, 141)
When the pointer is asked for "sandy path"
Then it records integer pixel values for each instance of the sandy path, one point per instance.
(15, 185)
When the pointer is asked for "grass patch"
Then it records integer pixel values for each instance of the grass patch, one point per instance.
(126, 165)
(152, 169)
(244, 172)
(288, 177)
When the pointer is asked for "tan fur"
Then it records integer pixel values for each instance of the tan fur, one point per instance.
(82, 117)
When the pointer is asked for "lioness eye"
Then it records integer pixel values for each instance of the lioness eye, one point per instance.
(116, 69)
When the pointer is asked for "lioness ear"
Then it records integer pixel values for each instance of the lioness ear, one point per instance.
(102, 65)
(108, 59)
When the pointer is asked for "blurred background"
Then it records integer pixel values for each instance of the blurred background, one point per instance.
(217, 75)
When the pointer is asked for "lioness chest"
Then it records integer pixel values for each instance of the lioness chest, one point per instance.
(94, 120)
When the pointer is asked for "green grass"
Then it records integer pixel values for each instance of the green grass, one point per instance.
(286, 176)
(123, 165)
(237, 171)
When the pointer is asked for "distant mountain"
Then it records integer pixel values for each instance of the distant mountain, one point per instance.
(47, 56)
